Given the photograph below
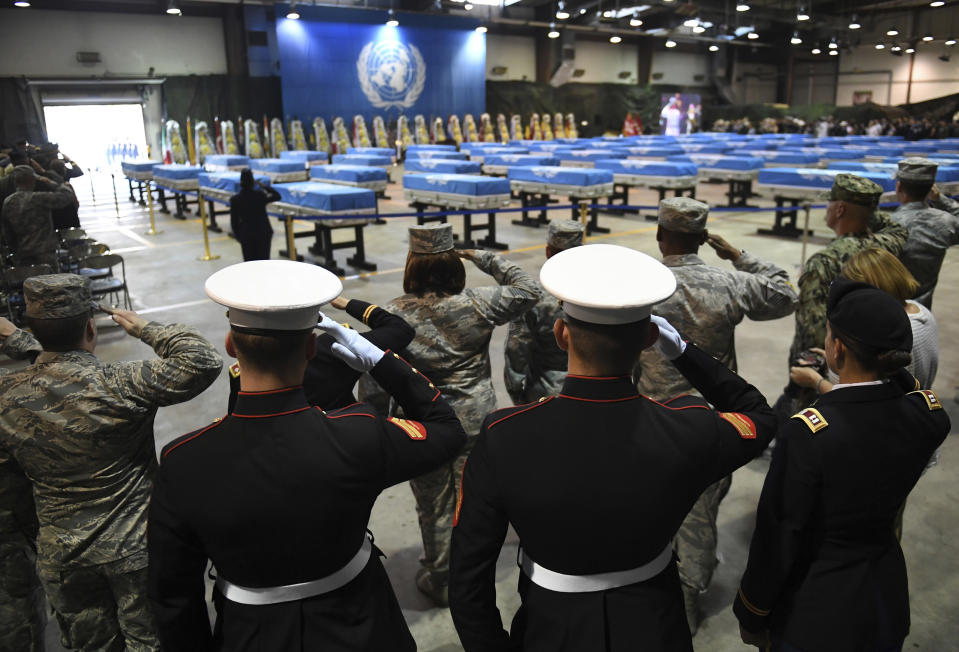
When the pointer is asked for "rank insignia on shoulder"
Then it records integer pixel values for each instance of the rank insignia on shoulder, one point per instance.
(743, 424)
(413, 429)
(932, 401)
(812, 418)
(235, 369)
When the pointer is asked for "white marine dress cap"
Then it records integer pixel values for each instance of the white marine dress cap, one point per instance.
(607, 284)
(273, 295)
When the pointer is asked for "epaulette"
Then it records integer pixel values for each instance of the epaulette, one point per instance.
(502, 415)
(235, 370)
(190, 436)
(932, 401)
(812, 418)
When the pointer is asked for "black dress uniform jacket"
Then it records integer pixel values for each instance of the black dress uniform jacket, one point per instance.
(595, 480)
(279, 493)
(328, 381)
(250, 223)
(825, 570)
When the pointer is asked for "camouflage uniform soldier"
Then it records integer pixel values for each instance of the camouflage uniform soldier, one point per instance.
(852, 215)
(82, 432)
(943, 202)
(535, 365)
(27, 220)
(22, 605)
(708, 304)
(453, 329)
(931, 231)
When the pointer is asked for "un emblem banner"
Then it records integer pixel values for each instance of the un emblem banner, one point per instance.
(340, 62)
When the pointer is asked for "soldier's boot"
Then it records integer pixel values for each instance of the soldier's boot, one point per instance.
(691, 600)
(434, 587)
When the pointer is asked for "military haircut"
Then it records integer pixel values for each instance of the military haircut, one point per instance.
(882, 362)
(264, 351)
(916, 190)
(881, 269)
(62, 334)
(689, 242)
(442, 273)
(609, 346)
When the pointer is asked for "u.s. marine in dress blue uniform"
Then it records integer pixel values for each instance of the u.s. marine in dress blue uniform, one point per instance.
(596, 480)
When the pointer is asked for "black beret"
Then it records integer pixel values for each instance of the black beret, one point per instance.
(868, 314)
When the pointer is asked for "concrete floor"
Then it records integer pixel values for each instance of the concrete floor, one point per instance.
(166, 283)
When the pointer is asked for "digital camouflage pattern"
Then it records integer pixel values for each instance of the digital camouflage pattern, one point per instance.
(535, 365)
(824, 266)
(451, 348)
(931, 233)
(431, 238)
(683, 215)
(708, 304)
(564, 234)
(855, 190)
(27, 221)
(82, 432)
(22, 604)
(56, 296)
(946, 203)
(918, 169)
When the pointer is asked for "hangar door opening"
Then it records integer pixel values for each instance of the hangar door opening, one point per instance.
(97, 136)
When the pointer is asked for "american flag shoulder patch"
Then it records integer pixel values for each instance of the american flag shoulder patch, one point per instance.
(812, 418)
(743, 424)
(413, 429)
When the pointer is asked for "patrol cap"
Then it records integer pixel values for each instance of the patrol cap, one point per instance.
(607, 284)
(918, 169)
(57, 296)
(563, 234)
(431, 238)
(683, 214)
(273, 295)
(855, 190)
(868, 314)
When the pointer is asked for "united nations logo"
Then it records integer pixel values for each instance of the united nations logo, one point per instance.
(391, 74)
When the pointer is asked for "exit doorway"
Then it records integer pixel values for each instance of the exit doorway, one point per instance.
(98, 136)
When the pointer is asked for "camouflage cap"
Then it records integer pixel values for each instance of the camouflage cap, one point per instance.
(564, 234)
(683, 214)
(918, 169)
(431, 238)
(855, 190)
(57, 296)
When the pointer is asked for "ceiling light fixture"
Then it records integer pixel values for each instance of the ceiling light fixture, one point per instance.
(670, 43)
(854, 22)
(928, 37)
(714, 48)
(690, 22)
(896, 47)
(796, 40)
(936, 3)
(752, 36)
(615, 38)
(635, 21)
(950, 41)
(910, 50)
(468, 7)
(481, 29)
(582, 11)
(391, 19)
(561, 13)
(832, 44)
(552, 33)
(173, 8)
(802, 14)
(698, 29)
(892, 32)
(21, 3)
(816, 51)
(742, 6)
(880, 46)
(293, 14)
(833, 53)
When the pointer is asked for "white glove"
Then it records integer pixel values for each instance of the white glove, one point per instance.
(670, 344)
(351, 347)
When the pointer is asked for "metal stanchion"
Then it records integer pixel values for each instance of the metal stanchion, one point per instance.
(290, 238)
(584, 218)
(116, 203)
(93, 195)
(805, 237)
(206, 237)
(153, 226)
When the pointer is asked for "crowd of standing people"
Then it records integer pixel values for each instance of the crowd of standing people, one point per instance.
(120, 544)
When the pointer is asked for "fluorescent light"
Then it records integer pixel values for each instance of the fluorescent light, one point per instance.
(892, 32)
(816, 51)
(635, 21)
(752, 36)
(614, 39)
(714, 48)
(928, 37)
(742, 6)
(670, 43)
(796, 40)
(880, 46)
(481, 29)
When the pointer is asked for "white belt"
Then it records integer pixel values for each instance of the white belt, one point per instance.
(588, 583)
(303, 590)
